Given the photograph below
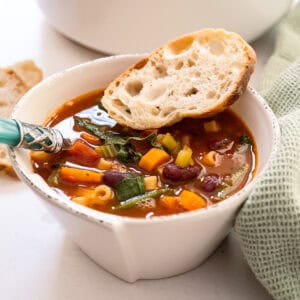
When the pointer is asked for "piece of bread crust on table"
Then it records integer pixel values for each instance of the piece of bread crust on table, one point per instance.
(196, 75)
(15, 81)
(29, 73)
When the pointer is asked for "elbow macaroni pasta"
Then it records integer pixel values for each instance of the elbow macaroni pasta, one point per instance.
(101, 196)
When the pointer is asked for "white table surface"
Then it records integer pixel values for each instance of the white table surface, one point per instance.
(37, 259)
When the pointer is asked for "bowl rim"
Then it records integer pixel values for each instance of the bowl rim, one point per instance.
(110, 219)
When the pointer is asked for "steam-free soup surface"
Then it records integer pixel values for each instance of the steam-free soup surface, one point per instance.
(190, 165)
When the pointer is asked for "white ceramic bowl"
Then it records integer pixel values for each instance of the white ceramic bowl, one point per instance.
(133, 248)
(134, 26)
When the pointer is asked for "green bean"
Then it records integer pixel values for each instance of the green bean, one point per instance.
(134, 200)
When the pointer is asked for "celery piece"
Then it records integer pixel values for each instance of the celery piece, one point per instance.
(169, 142)
(184, 157)
(107, 151)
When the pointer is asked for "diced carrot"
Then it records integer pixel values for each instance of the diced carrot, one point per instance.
(90, 138)
(170, 202)
(190, 200)
(73, 175)
(153, 158)
(83, 154)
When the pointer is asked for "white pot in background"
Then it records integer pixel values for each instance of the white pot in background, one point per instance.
(138, 26)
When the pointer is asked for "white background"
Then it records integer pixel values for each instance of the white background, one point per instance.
(37, 259)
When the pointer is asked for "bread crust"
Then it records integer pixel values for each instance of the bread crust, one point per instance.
(15, 81)
(237, 88)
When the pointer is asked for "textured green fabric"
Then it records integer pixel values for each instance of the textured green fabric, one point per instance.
(287, 49)
(268, 225)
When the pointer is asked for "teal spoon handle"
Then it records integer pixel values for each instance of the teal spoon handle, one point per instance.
(9, 132)
(34, 137)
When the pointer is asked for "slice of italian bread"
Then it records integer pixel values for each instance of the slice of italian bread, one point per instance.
(196, 75)
(29, 73)
(15, 81)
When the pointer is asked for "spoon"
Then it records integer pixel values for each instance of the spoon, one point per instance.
(19, 134)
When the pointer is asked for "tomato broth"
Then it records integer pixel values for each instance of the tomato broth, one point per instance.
(115, 169)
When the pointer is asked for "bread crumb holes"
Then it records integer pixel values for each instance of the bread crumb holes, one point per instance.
(191, 91)
(191, 63)
(133, 88)
(118, 102)
(179, 65)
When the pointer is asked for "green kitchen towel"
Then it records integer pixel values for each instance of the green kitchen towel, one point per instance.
(268, 224)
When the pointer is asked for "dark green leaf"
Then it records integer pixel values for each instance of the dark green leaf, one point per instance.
(109, 137)
(245, 140)
(151, 138)
(130, 186)
(126, 152)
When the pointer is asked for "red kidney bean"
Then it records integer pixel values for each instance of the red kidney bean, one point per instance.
(210, 182)
(111, 178)
(175, 173)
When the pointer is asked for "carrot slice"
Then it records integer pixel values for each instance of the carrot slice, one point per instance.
(153, 158)
(190, 200)
(90, 138)
(83, 154)
(73, 175)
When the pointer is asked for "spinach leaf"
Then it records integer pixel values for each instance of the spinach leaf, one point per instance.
(126, 154)
(151, 138)
(125, 151)
(110, 137)
(129, 187)
(245, 140)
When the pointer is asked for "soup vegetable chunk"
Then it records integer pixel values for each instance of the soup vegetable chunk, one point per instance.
(190, 165)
